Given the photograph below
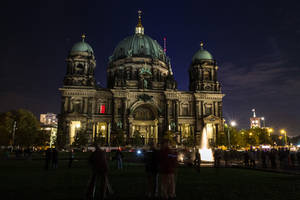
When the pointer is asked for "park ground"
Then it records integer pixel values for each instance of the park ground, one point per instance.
(27, 179)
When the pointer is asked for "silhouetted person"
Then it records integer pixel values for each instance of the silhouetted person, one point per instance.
(71, 157)
(151, 165)
(197, 161)
(252, 158)
(246, 159)
(99, 167)
(272, 157)
(217, 156)
(54, 158)
(119, 158)
(263, 159)
(48, 158)
(167, 165)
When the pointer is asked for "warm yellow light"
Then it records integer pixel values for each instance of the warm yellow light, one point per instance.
(250, 133)
(242, 133)
(77, 125)
(103, 127)
(270, 130)
(282, 131)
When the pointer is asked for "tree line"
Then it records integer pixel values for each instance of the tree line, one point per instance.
(21, 128)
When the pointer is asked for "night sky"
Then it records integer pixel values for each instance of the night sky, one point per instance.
(256, 45)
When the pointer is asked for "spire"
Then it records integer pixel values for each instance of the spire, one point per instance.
(253, 110)
(83, 37)
(139, 29)
(201, 45)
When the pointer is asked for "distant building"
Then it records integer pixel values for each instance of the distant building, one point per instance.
(255, 121)
(49, 123)
(48, 119)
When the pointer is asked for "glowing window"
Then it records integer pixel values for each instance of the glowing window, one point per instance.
(102, 109)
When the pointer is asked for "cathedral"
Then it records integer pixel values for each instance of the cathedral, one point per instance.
(141, 97)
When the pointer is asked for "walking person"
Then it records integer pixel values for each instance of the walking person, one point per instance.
(99, 165)
(167, 165)
(151, 166)
(71, 157)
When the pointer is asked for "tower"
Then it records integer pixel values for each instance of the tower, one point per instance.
(203, 72)
(81, 64)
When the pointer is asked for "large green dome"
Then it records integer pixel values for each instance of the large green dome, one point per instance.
(82, 46)
(138, 45)
(202, 54)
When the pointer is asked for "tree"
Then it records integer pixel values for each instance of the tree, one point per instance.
(137, 139)
(42, 138)
(81, 139)
(61, 140)
(169, 135)
(118, 138)
(221, 139)
(21, 125)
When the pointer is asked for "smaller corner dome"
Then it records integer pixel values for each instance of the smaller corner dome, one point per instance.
(82, 46)
(202, 54)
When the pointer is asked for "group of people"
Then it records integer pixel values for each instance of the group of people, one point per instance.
(281, 158)
(51, 158)
(160, 167)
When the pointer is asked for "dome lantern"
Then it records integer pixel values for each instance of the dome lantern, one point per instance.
(139, 29)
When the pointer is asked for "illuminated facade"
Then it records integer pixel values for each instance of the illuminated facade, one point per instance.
(141, 95)
(255, 121)
(49, 123)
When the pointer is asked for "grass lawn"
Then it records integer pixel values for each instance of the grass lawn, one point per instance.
(21, 179)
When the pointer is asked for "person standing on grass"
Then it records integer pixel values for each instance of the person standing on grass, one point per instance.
(99, 165)
(197, 161)
(48, 158)
(167, 165)
(54, 158)
(119, 157)
(71, 157)
(151, 165)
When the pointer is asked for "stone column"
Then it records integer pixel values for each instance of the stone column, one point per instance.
(124, 109)
(71, 106)
(167, 115)
(85, 103)
(93, 106)
(156, 133)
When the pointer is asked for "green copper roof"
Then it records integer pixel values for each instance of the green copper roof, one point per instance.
(202, 54)
(82, 47)
(138, 45)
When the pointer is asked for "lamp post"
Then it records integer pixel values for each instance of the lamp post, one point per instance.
(264, 122)
(283, 132)
(233, 124)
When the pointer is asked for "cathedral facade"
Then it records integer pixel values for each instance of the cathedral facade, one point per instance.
(141, 97)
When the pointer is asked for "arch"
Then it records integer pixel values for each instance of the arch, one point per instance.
(154, 108)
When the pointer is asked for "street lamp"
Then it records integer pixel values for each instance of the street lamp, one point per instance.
(270, 130)
(233, 124)
(283, 132)
(264, 122)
